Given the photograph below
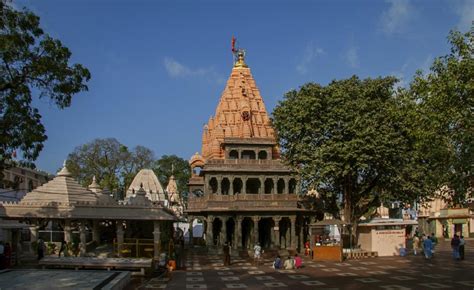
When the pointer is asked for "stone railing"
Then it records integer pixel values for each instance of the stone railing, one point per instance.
(243, 201)
(244, 161)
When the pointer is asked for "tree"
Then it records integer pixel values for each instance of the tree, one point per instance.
(351, 141)
(110, 161)
(169, 165)
(32, 63)
(445, 104)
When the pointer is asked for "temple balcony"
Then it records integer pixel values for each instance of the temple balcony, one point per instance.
(243, 202)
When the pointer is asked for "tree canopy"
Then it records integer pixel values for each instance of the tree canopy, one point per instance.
(33, 64)
(169, 165)
(351, 141)
(445, 115)
(115, 166)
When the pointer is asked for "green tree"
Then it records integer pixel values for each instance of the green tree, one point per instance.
(169, 165)
(110, 161)
(445, 118)
(32, 63)
(351, 141)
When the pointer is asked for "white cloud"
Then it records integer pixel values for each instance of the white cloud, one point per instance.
(465, 10)
(398, 15)
(352, 56)
(178, 70)
(310, 54)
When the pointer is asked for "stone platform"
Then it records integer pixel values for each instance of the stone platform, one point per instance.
(63, 279)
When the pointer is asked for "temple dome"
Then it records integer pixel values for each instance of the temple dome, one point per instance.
(147, 181)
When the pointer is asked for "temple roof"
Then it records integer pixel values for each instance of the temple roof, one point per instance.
(147, 180)
(240, 114)
(63, 189)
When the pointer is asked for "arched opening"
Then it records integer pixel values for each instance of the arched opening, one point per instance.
(285, 232)
(262, 154)
(230, 227)
(268, 185)
(253, 186)
(237, 185)
(197, 170)
(265, 226)
(225, 186)
(247, 228)
(233, 154)
(213, 184)
(292, 186)
(280, 186)
(248, 154)
(216, 231)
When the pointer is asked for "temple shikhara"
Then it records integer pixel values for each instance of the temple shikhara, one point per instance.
(239, 186)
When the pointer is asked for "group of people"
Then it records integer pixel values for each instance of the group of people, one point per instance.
(427, 245)
(289, 264)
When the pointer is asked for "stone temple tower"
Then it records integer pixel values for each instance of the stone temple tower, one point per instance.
(239, 186)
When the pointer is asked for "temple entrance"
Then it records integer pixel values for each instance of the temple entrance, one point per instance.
(230, 227)
(265, 232)
(247, 228)
(216, 231)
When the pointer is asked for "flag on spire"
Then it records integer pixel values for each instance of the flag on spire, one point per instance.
(233, 44)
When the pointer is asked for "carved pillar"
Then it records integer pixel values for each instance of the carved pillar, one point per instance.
(301, 236)
(95, 231)
(255, 231)
(244, 185)
(231, 187)
(34, 233)
(276, 231)
(224, 230)
(209, 236)
(261, 189)
(82, 236)
(238, 232)
(219, 185)
(119, 238)
(156, 240)
(206, 185)
(287, 186)
(275, 182)
(293, 232)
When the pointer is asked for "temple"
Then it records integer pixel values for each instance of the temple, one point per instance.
(239, 186)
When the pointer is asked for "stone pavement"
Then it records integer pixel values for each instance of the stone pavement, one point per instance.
(411, 272)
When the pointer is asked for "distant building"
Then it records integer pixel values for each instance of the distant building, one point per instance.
(147, 180)
(20, 180)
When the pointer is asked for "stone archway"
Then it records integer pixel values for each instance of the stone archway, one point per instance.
(216, 231)
(285, 233)
(230, 231)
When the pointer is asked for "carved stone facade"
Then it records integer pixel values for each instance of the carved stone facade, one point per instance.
(239, 186)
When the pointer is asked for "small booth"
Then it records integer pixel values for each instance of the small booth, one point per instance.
(326, 240)
(384, 236)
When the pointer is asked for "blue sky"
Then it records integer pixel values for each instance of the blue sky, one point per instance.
(158, 67)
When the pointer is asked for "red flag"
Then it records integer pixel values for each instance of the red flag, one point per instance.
(233, 43)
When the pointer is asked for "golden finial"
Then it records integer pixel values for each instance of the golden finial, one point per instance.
(239, 55)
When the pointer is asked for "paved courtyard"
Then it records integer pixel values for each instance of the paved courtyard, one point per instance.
(411, 272)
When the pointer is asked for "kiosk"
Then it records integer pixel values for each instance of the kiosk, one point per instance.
(326, 240)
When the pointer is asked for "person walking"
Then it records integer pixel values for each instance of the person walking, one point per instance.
(226, 250)
(62, 248)
(462, 242)
(416, 245)
(257, 252)
(455, 246)
(427, 247)
(40, 250)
